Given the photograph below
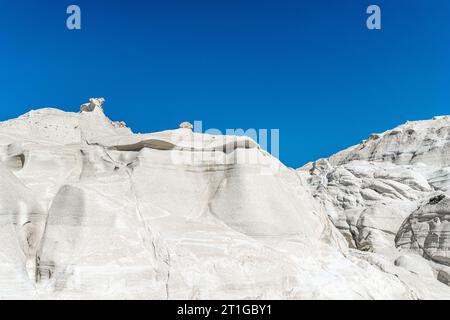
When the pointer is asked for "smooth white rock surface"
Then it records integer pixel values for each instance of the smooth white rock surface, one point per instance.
(90, 210)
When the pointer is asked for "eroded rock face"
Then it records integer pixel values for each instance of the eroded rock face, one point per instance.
(427, 230)
(369, 189)
(388, 195)
(367, 201)
(91, 210)
(413, 143)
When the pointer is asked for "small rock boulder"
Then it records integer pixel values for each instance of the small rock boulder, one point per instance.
(186, 125)
(92, 104)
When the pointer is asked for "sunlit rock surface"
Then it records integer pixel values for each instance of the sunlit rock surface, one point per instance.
(387, 196)
(427, 230)
(90, 210)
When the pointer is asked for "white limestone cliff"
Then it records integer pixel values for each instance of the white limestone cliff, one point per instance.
(375, 193)
(90, 210)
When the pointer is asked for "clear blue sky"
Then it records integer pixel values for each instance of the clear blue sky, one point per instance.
(310, 68)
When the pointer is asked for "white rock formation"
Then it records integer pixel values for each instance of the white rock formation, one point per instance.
(90, 210)
(92, 104)
(427, 230)
(372, 192)
(186, 125)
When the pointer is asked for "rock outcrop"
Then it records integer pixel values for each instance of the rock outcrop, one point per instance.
(91, 210)
(92, 104)
(388, 194)
(427, 230)
(186, 125)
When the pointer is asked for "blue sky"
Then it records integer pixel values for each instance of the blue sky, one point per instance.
(310, 68)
